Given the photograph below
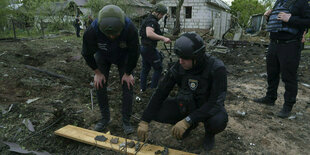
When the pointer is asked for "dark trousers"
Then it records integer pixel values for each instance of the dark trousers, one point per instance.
(127, 96)
(170, 113)
(151, 58)
(283, 59)
(77, 30)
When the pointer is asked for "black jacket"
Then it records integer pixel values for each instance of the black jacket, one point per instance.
(300, 19)
(124, 48)
(208, 87)
(150, 21)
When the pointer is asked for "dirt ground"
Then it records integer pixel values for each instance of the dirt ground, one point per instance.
(252, 128)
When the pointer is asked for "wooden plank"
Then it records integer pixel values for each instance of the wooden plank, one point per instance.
(88, 137)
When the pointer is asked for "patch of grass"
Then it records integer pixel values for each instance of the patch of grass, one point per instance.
(307, 39)
(305, 51)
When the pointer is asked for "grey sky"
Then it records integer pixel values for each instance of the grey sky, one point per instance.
(228, 1)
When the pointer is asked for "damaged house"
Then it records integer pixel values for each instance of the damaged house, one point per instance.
(139, 7)
(81, 6)
(135, 9)
(200, 15)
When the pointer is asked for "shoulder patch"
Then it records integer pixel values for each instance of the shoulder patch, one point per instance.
(193, 84)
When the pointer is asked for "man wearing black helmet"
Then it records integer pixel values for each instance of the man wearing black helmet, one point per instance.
(112, 39)
(150, 34)
(202, 85)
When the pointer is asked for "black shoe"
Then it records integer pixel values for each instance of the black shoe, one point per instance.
(192, 127)
(265, 100)
(101, 125)
(128, 129)
(285, 112)
(209, 142)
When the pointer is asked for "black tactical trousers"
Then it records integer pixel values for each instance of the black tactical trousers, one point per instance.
(77, 31)
(170, 113)
(127, 96)
(283, 58)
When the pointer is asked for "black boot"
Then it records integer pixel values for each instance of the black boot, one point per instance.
(102, 124)
(209, 142)
(265, 100)
(285, 111)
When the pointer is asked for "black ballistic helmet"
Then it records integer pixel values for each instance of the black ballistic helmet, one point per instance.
(190, 46)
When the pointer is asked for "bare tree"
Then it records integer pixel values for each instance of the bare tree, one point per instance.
(177, 26)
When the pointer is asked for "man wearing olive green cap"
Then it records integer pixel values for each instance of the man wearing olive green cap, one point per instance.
(112, 39)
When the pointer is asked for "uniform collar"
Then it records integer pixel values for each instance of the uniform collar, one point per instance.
(152, 16)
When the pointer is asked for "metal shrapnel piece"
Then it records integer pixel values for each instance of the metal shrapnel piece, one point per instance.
(131, 144)
(122, 145)
(137, 146)
(114, 140)
(101, 138)
(163, 152)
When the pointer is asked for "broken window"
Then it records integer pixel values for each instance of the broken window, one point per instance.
(188, 12)
(173, 11)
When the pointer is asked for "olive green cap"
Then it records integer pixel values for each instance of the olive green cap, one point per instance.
(111, 20)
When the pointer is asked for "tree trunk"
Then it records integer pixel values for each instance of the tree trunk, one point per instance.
(42, 27)
(13, 22)
(177, 26)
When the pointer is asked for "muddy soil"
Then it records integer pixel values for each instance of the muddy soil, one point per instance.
(252, 128)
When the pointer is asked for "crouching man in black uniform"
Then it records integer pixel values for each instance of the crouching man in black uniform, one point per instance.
(202, 86)
(112, 39)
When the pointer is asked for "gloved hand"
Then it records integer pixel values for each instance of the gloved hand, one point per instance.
(179, 128)
(143, 130)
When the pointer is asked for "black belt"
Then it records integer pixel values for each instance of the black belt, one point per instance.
(275, 41)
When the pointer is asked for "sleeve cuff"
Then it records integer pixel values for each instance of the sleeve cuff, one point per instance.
(128, 72)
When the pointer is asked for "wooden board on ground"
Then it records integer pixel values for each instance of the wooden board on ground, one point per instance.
(88, 137)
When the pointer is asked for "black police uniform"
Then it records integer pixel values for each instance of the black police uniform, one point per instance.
(77, 24)
(100, 52)
(165, 20)
(150, 55)
(201, 96)
(284, 52)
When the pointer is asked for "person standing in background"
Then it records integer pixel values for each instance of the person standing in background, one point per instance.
(151, 58)
(77, 25)
(287, 22)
